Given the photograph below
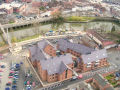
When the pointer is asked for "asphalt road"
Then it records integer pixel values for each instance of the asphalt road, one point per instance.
(88, 75)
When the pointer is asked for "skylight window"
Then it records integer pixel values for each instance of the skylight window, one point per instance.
(103, 54)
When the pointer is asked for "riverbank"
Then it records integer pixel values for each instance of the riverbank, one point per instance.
(77, 19)
(74, 19)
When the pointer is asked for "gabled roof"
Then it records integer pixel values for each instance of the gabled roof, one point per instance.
(42, 44)
(63, 67)
(64, 45)
(56, 64)
(94, 56)
(37, 51)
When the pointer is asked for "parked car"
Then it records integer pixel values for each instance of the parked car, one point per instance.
(7, 88)
(0, 74)
(80, 76)
(2, 66)
(1, 70)
(10, 76)
(8, 84)
(1, 56)
(14, 87)
(74, 78)
(14, 82)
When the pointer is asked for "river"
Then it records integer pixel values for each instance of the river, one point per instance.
(23, 33)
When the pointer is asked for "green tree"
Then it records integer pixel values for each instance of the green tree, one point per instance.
(2, 43)
(42, 8)
(113, 29)
(14, 39)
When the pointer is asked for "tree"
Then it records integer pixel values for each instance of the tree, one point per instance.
(6, 35)
(113, 29)
(36, 28)
(42, 8)
(14, 39)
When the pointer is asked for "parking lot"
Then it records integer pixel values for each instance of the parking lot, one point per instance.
(4, 72)
(13, 78)
(114, 57)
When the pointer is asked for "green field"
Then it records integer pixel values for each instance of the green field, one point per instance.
(82, 19)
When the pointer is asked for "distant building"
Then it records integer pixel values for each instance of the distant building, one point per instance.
(100, 83)
(112, 1)
(101, 40)
(88, 41)
(6, 8)
(28, 1)
(18, 7)
(8, 1)
(9, 8)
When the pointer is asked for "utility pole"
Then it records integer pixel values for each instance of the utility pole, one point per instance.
(6, 34)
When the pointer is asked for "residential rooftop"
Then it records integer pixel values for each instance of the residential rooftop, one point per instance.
(56, 64)
(65, 44)
(94, 56)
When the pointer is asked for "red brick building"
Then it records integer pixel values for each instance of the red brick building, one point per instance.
(36, 4)
(100, 39)
(8, 1)
(18, 7)
(50, 67)
(28, 1)
(6, 8)
(85, 58)
(52, 61)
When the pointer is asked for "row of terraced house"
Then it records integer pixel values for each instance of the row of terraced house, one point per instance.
(52, 60)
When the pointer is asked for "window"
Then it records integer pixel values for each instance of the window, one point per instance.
(88, 65)
(66, 73)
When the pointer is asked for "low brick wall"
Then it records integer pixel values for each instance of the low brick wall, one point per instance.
(106, 74)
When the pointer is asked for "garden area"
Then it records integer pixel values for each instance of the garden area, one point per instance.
(113, 80)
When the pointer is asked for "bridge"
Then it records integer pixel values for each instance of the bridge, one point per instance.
(25, 22)
(39, 20)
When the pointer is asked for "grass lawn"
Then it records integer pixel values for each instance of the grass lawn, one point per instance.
(28, 38)
(111, 80)
(76, 18)
(109, 77)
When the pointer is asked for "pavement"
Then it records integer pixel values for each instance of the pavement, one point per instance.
(4, 74)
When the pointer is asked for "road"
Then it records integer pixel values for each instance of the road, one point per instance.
(43, 37)
(26, 22)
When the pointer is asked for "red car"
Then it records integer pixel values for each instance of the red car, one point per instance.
(1, 70)
(80, 76)
(1, 56)
(12, 71)
(10, 77)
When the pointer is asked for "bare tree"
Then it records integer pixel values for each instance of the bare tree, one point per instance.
(6, 34)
